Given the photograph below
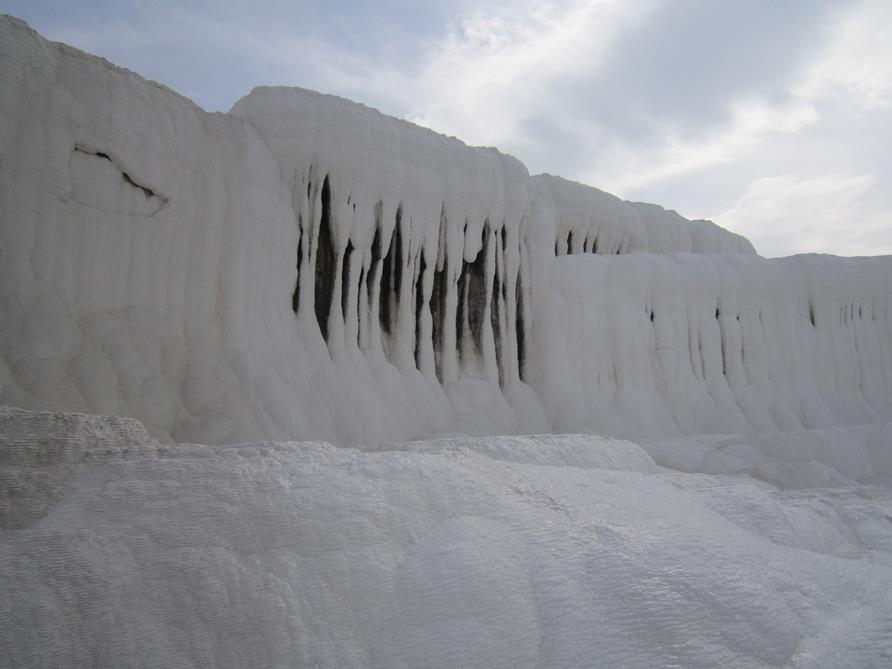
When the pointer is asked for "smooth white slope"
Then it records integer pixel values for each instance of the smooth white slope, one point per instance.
(477, 554)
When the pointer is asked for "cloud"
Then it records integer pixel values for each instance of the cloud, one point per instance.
(858, 61)
(492, 78)
(783, 215)
(621, 94)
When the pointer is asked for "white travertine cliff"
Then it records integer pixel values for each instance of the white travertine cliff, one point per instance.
(306, 267)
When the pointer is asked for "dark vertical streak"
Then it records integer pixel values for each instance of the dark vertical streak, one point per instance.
(495, 312)
(295, 296)
(519, 328)
(325, 263)
(476, 290)
(391, 277)
(419, 307)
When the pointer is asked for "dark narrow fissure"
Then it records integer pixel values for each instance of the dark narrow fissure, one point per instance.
(148, 192)
(419, 308)
(476, 289)
(811, 314)
(325, 263)
(438, 313)
(359, 320)
(595, 245)
(391, 277)
(519, 331)
(495, 311)
(570, 242)
(295, 296)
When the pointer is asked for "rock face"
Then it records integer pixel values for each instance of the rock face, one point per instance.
(306, 267)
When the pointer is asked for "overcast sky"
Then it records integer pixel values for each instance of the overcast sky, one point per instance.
(769, 117)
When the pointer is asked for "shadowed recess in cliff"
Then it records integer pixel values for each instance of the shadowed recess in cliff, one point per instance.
(325, 262)
(391, 278)
(419, 308)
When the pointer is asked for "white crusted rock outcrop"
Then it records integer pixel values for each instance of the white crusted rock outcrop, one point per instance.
(305, 266)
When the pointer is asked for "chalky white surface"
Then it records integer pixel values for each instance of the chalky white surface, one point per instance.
(150, 259)
(553, 551)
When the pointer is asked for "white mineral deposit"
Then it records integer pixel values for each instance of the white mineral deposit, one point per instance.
(452, 415)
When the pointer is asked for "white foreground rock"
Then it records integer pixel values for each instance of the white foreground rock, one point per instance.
(558, 551)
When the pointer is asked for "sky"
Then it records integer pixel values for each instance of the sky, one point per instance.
(773, 119)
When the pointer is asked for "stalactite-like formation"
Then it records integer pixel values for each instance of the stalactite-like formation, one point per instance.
(454, 316)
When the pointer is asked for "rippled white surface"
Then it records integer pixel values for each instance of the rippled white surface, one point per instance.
(519, 552)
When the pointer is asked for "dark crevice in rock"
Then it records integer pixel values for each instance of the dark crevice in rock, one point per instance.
(419, 308)
(295, 296)
(391, 278)
(438, 296)
(438, 312)
(148, 192)
(519, 330)
(359, 319)
(325, 263)
(476, 291)
(495, 311)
